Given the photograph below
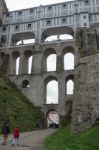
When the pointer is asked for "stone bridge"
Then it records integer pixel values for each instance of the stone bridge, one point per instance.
(78, 19)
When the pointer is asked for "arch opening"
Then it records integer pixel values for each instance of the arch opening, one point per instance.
(28, 61)
(69, 61)
(49, 58)
(52, 92)
(57, 33)
(16, 62)
(25, 84)
(23, 38)
(60, 37)
(52, 119)
(70, 87)
(17, 65)
(51, 62)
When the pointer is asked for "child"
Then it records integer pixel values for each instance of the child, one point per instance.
(16, 135)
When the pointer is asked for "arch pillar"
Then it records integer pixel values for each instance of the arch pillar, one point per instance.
(62, 96)
(59, 63)
(23, 68)
(37, 60)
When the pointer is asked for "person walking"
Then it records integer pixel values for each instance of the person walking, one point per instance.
(16, 135)
(5, 132)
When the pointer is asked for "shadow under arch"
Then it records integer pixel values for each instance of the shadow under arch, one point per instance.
(15, 54)
(68, 49)
(69, 77)
(50, 78)
(22, 36)
(28, 53)
(56, 31)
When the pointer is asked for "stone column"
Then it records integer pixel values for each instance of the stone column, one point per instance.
(59, 63)
(23, 67)
(37, 64)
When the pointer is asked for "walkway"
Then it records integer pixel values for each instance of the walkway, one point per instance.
(29, 141)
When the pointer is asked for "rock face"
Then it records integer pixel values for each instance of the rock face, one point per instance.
(86, 99)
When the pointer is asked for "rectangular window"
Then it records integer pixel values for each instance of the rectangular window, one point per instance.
(31, 10)
(29, 26)
(17, 27)
(48, 22)
(20, 13)
(86, 2)
(64, 5)
(49, 8)
(7, 15)
(4, 29)
(64, 20)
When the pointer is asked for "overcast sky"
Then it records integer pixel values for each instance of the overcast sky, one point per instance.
(22, 4)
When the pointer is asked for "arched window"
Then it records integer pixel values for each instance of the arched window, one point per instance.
(70, 87)
(65, 37)
(30, 64)
(28, 61)
(51, 38)
(68, 61)
(17, 65)
(56, 34)
(51, 62)
(23, 38)
(25, 84)
(22, 42)
(52, 92)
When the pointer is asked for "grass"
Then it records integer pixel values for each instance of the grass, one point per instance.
(64, 140)
(15, 107)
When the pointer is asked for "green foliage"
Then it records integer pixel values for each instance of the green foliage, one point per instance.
(16, 108)
(64, 140)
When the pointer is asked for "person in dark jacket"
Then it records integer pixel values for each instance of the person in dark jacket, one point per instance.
(5, 132)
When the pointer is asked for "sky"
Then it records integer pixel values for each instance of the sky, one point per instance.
(22, 4)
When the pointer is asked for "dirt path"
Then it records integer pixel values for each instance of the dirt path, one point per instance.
(30, 141)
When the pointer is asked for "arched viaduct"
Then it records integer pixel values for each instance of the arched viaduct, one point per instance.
(24, 35)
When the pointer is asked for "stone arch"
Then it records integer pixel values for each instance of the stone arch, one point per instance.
(56, 31)
(28, 57)
(69, 82)
(22, 37)
(53, 80)
(52, 118)
(25, 84)
(15, 62)
(46, 54)
(68, 58)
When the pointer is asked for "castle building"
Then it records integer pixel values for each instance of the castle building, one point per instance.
(79, 19)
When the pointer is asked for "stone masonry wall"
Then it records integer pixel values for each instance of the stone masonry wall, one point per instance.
(86, 99)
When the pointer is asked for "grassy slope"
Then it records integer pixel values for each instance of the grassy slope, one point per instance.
(15, 107)
(63, 140)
